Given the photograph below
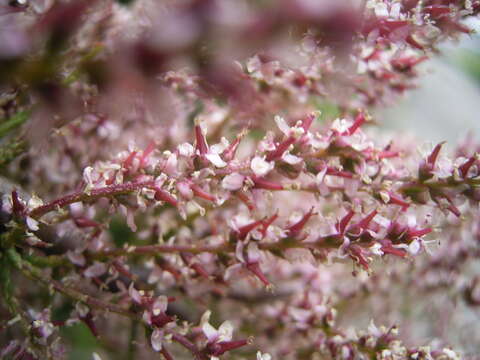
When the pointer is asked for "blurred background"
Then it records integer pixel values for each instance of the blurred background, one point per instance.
(446, 105)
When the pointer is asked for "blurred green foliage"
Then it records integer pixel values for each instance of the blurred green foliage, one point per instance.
(120, 232)
(125, 2)
(329, 111)
(15, 121)
(469, 61)
(82, 340)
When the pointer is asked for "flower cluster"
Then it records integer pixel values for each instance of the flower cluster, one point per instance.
(219, 158)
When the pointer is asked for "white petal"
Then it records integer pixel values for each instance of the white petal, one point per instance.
(76, 208)
(340, 125)
(233, 181)
(220, 147)
(376, 249)
(156, 339)
(253, 252)
(239, 252)
(282, 125)
(131, 220)
(265, 356)
(373, 329)
(87, 177)
(260, 166)
(395, 10)
(32, 223)
(205, 317)
(321, 176)
(216, 160)
(291, 159)
(134, 294)
(452, 355)
(160, 305)
(414, 247)
(34, 202)
(186, 149)
(300, 315)
(225, 331)
(382, 221)
(210, 332)
(171, 164)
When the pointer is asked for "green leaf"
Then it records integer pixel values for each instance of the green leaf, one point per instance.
(14, 122)
(11, 150)
(15, 258)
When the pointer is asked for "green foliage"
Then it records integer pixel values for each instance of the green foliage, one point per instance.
(120, 232)
(10, 150)
(14, 122)
(125, 2)
(329, 110)
(82, 340)
(6, 283)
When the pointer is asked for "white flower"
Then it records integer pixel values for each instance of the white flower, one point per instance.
(300, 315)
(296, 130)
(414, 247)
(385, 196)
(260, 166)
(291, 159)
(95, 356)
(452, 355)
(186, 149)
(160, 305)
(220, 147)
(374, 330)
(382, 221)
(32, 223)
(170, 166)
(381, 9)
(253, 252)
(444, 167)
(341, 125)
(156, 339)
(265, 356)
(87, 177)
(34, 202)
(216, 160)
(224, 332)
(76, 209)
(282, 125)
(134, 294)
(233, 181)
(376, 249)
(214, 152)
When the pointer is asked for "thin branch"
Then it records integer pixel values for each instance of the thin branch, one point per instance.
(94, 194)
(31, 272)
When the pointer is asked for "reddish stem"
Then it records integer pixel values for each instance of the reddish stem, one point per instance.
(262, 183)
(81, 196)
(202, 146)
(280, 149)
(198, 191)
